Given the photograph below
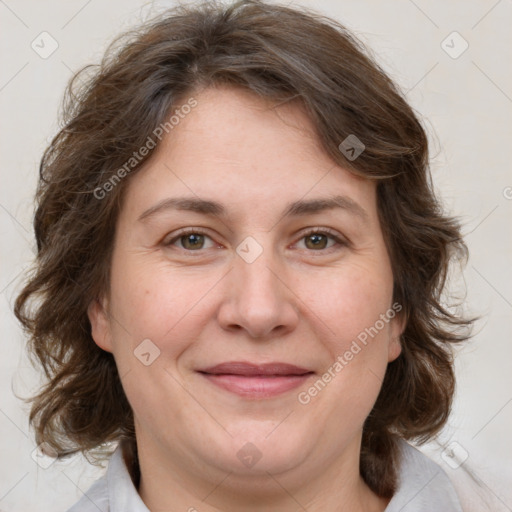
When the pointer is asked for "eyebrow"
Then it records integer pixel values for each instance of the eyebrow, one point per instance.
(296, 208)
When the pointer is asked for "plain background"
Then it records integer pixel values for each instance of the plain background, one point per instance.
(466, 105)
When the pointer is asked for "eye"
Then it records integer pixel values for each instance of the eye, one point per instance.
(319, 239)
(195, 239)
(192, 239)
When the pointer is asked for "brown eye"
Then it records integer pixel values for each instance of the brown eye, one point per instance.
(319, 239)
(316, 241)
(192, 241)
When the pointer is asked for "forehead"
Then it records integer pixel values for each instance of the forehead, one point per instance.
(236, 148)
(233, 123)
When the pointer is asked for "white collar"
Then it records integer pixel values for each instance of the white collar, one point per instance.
(423, 486)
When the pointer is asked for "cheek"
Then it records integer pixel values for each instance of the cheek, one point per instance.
(351, 301)
(156, 302)
(354, 305)
(356, 341)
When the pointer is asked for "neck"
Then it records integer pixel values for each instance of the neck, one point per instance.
(337, 487)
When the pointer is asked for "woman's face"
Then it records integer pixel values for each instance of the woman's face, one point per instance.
(251, 289)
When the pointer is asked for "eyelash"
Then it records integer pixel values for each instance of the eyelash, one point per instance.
(315, 231)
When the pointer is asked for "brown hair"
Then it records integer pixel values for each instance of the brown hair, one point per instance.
(278, 53)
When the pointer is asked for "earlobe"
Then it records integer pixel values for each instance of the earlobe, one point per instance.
(100, 325)
(395, 343)
(394, 349)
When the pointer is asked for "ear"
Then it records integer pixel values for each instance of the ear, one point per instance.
(100, 324)
(396, 330)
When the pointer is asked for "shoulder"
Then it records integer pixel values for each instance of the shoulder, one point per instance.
(113, 492)
(423, 486)
(95, 499)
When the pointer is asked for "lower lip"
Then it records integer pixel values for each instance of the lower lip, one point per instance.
(257, 386)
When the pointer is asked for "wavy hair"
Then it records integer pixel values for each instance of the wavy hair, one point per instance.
(282, 54)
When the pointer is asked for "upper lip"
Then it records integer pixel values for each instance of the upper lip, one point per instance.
(252, 369)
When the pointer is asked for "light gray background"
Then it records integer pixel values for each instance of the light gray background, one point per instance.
(466, 103)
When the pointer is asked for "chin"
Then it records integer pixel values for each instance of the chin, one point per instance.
(259, 448)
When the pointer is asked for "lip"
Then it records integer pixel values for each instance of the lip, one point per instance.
(256, 381)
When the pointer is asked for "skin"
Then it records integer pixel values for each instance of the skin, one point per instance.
(297, 303)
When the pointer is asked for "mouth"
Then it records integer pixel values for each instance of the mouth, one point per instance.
(256, 381)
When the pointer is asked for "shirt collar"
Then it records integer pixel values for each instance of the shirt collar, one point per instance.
(423, 486)
(122, 494)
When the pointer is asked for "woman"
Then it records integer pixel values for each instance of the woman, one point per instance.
(240, 263)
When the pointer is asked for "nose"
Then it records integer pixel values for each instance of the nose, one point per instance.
(258, 299)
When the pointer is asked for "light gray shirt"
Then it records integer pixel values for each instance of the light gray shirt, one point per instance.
(422, 487)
